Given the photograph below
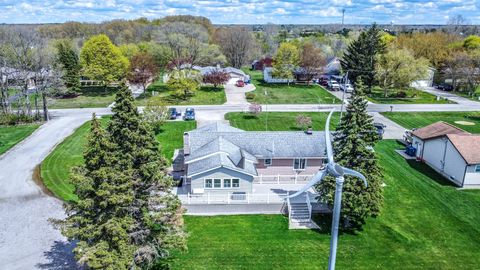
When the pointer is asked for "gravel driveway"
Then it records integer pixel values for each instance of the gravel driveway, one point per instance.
(27, 239)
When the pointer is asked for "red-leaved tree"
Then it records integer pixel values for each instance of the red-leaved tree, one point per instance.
(216, 77)
(142, 69)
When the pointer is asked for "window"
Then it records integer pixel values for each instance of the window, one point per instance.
(268, 162)
(235, 183)
(227, 183)
(217, 183)
(477, 168)
(208, 183)
(299, 164)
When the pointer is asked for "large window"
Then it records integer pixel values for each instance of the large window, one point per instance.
(235, 183)
(208, 183)
(299, 164)
(268, 162)
(217, 183)
(477, 168)
(227, 183)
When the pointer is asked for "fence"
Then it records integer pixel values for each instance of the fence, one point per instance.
(233, 198)
(282, 179)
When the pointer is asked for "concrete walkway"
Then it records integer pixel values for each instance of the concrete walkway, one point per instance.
(27, 239)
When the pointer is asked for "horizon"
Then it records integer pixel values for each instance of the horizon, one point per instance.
(250, 12)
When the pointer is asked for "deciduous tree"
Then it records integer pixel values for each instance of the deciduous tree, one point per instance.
(183, 83)
(285, 61)
(142, 70)
(216, 77)
(311, 61)
(236, 44)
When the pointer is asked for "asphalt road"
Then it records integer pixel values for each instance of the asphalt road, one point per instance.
(27, 239)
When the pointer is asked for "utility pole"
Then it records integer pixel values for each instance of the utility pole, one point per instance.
(266, 110)
(345, 79)
(343, 16)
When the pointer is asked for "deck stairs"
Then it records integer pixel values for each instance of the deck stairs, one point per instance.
(300, 212)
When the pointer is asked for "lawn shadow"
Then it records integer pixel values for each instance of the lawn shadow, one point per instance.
(429, 172)
(60, 257)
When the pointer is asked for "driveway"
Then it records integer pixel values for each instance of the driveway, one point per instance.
(448, 95)
(27, 239)
(236, 95)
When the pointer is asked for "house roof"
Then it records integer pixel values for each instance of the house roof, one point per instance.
(468, 146)
(219, 160)
(436, 130)
(208, 69)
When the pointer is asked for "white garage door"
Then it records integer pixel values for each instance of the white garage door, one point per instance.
(232, 81)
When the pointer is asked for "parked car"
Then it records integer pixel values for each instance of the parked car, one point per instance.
(189, 114)
(333, 85)
(240, 83)
(380, 129)
(347, 88)
(173, 113)
(444, 87)
(324, 83)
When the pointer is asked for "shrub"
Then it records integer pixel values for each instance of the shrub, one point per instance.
(15, 119)
(255, 109)
(250, 95)
(402, 94)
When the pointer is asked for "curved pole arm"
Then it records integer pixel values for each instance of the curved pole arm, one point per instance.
(356, 174)
(328, 141)
(317, 178)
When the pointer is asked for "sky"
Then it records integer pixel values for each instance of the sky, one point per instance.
(243, 12)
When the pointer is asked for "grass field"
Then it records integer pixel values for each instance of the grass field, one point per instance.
(11, 135)
(90, 97)
(414, 96)
(425, 224)
(420, 119)
(472, 96)
(206, 95)
(55, 169)
(278, 121)
(288, 94)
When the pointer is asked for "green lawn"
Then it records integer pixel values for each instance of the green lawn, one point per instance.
(287, 94)
(11, 135)
(420, 119)
(414, 96)
(278, 121)
(90, 97)
(472, 96)
(206, 95)
(55, 169)
(425, 224)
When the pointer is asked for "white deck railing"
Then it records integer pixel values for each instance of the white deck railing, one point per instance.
(233, 198)
(282, 179)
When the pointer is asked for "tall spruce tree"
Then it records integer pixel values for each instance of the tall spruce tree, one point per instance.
(68, 60)
(99, 219)
(360, 58)
(353, 146)
(157, 213)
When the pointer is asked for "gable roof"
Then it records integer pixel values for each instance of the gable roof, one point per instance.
(468, 146)
(219, 160)
(436, 130)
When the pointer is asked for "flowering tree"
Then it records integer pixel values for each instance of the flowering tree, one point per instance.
(216, 77)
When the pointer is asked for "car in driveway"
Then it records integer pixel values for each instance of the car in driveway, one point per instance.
(189, 114)
(240, 83)
(380, 129)
(173, 113)
(444, 87)
(333, 85)
(347, 88)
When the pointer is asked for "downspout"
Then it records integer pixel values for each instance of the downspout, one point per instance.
(444, 154)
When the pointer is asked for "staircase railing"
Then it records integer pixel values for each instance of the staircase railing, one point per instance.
(289, 211)
(309, 205)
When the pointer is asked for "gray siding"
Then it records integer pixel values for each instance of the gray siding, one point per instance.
(472, 177)
(285, 167)
(197, 182)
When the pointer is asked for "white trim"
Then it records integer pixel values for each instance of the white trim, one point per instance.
(218, 167)
(204, 157)
(222, 183)
(304, 167)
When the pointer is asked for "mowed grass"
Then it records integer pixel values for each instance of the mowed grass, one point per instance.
(425, 224)
(11, 135)
(279, 121)
(90, 97)
(420, 119)
(413, 96)
(206, 95)
(288, 94)
(56, 168)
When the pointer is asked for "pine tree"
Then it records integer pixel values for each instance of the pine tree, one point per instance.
(353, 146)
(157, 213)
(99, 219)
(68, 60)
(360, 58)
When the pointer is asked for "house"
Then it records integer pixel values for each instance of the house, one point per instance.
(235, 73)
(262, 63)
(425, 82)
(451, 151)
(220, 159)
(268, 78)
(333, 66)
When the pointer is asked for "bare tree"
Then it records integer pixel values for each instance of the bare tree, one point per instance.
(457, 24)
(236, 44)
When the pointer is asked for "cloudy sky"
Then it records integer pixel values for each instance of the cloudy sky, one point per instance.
(242, 12)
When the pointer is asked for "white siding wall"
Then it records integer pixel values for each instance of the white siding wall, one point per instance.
(417, 143)
(454, 165)
(197, 182)
(472, 177)
(433, 151)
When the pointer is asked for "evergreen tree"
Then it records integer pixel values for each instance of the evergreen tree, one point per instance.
(157, 213)
(360, 58)
(99, 219)
(68, 60)
(353, 146)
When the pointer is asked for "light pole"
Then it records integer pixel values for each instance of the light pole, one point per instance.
(266, 110)
(345, 79)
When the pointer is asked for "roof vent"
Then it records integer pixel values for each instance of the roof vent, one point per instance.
(309, 131)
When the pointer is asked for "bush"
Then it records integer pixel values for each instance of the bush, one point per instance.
(250, 95)
(402, 94)
(15, 119)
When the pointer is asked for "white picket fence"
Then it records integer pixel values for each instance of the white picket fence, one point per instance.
(282, 179)
(233, 198)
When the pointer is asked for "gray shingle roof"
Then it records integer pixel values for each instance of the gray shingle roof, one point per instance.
(216, 161)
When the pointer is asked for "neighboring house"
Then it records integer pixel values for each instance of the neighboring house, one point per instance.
(451, 151)
(262, 63)
(222, 159)
(425, 82)
(235, 73)
(268, 78)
